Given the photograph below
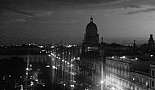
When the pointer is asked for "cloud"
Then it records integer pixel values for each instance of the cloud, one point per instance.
(54, 3)
(42, 13)
(57, 4)
(45, 8)
(141, 11)
(18, 11)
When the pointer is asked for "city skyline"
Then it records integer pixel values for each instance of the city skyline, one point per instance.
(77, 45)
(43, 21)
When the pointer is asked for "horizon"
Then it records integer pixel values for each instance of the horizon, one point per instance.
(122, 41)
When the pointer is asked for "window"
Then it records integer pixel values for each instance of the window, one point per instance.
(153, 73)
(152, 83)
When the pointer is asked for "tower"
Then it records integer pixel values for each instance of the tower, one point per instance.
(151, 43)
(134, 44)
(134, 47)
(91, 39)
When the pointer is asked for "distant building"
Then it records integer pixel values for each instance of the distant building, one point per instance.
(115, 49)
(91, 58)
(90, 43)
(21, 50)
(151, 43)
(146, 50)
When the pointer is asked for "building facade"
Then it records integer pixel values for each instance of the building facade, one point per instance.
(121, 74)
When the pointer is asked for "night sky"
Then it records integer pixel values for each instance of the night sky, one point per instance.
(65, 20)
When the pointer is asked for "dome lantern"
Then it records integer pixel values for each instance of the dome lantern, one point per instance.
(91, 19)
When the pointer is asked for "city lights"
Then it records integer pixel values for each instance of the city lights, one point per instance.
(9, 75)
(113, 88)
(136, 58)
(72, 86)
(47, 66)
(54, 67)
(92, 64)
(112, 57)
(123, 57)
(32, 83)
(101, 81)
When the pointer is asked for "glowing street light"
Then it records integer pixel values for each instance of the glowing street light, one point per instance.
(48, 66)
(72, 86)
(112, 88)
(54, 67)
(101, 81)
(123, 57)
(133, 79)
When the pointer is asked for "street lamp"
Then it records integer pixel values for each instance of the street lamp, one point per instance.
(147, 85)
(64, 85)
(101, 81)
(112, 88)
